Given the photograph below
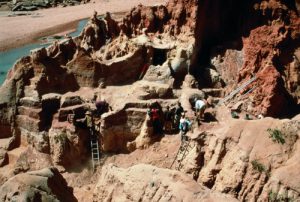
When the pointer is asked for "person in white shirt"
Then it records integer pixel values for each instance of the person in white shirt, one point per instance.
(200, 107)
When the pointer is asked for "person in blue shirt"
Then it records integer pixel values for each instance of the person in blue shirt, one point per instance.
(184, 126)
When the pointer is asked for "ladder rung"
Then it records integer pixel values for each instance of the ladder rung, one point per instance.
(95, 153)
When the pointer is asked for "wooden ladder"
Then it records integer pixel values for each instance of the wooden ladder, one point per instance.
(182, 152)
(233, 93)
(95, 152)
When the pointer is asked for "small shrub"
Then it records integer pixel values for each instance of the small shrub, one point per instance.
(62, 139)
(276, 135)
(258, 166)
(272, 196)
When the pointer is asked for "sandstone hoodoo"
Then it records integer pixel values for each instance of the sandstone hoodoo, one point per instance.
(189, 100)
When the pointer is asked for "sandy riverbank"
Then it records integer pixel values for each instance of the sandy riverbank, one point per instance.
(20, 30)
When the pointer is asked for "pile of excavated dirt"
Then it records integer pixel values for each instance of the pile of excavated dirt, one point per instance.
(243, 61)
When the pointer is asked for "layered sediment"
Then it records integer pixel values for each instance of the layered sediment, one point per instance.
(165, 54)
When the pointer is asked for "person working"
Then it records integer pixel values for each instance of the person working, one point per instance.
(89, 122)
(178, 111)
(200, 107)
(184, 127)
(168, 117)
(155, 117)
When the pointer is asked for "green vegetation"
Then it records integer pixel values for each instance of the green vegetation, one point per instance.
(61, 138)
(276, 135)
(258, 166)
(275, 197)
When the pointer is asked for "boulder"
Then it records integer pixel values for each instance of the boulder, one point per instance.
(153, 90)
(190, 82)
(42, 185)
(158, 73)
(30, 160)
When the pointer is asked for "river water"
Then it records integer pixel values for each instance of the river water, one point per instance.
(8, 58)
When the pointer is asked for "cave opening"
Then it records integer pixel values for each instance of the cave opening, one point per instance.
(159, 56)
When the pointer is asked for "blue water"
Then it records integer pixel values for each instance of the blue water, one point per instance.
(8, 58)
(80, 27)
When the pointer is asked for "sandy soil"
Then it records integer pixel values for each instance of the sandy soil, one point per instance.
(160, 154)
(20, 30)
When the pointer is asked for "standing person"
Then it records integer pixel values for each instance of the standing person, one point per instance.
(178, 111)
(155, 117)
(168, 117)
(200, 107)
(89, 122)
(184, 127)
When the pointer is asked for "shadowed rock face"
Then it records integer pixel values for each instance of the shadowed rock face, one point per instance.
(247, 38)
(43, 185)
